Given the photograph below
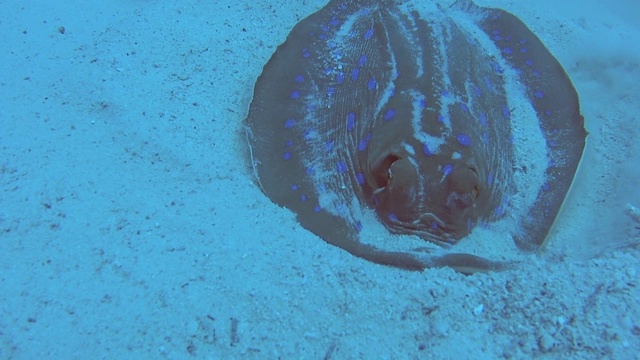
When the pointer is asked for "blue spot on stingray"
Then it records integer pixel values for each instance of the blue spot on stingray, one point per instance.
(368, 34)
(524, 50)
(423, 103)
(341, 166)
(303, 197)
(362, 61)
(539, 94)
(464, 107)
(529, 62)
(294, 187)
(358, 226)
(288, 143)
(483, 119)
(426, 151)
(389, 114)
(464, 139)
(506, 112)
(340, 78)
(316, 208)
(351, 121)
(441, 118)
(490, 178)
(328, 146)
(331, 91)
(501, 210)
(447, 169)
(546, 187)
(295, 94)
(360, 178)
(310, 171)
(548, 112)
(355, 73)
(393, 217)
(362, 145)
(306, 53)
(496, 67)
(299, 79)
(371, 85)
(286, 155)
(289, 123)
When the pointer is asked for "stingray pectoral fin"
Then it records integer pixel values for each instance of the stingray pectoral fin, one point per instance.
(556, 104)
(397, 259)
(463, 263)
(469, 264)
(336, 231)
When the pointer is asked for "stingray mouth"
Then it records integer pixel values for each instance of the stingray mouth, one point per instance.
(427, 226)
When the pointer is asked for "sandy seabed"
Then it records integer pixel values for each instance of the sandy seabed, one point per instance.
(130, 226)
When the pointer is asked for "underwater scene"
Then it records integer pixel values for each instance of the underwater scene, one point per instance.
(320, 179)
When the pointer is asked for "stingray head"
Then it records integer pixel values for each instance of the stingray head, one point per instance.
(412, 197)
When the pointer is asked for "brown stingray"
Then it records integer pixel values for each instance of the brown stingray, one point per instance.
(420, 118)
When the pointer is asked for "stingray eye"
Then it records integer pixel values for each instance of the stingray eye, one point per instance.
(383, 173)
(463, 188)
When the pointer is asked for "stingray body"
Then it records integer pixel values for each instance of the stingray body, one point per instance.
(417, 117)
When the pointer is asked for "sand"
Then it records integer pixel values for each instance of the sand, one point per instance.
(130, 225)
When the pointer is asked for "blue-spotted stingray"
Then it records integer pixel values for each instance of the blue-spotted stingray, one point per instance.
(382, 118)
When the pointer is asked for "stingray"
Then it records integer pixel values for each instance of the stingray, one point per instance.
(381, 122)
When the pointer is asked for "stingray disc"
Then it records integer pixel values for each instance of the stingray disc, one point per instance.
(377, 119)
